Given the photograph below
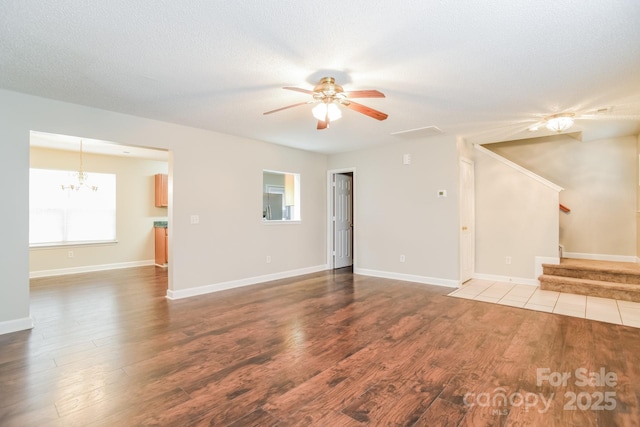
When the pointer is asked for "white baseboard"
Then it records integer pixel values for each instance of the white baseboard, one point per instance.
(407, 277)
(506, 279)
(216, 287)
(539, 260)
(601, 257)
(89, 268)
(16, 325)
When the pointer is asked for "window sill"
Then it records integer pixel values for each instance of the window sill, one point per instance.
(281, 222)
(65, 245)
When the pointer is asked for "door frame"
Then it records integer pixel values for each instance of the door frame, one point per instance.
(472, 215)
(330, 174)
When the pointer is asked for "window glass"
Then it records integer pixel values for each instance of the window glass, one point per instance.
(60, 215)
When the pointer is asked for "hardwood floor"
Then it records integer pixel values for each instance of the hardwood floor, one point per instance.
(328, 349)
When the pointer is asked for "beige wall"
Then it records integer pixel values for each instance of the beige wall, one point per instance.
(638, 199)
(516, 216)
(600, 179)
(397, 211)
(221, 181)
(465, 149)
(135, 211)
(215, 176)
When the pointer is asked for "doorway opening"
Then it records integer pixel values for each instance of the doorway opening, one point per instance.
(340, 215)
(71, 228)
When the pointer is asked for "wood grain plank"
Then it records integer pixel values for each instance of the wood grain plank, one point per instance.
(442, 413)
(328, 348)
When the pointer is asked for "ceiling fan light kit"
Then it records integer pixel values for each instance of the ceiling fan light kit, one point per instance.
(329, 96)
(324, 110)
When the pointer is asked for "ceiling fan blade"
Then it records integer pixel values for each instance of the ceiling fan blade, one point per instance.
(378, 115)
(364, 94)
(284, 108)
(299, 89)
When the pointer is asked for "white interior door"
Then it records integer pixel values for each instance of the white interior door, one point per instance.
(342, 220)
(467, 220)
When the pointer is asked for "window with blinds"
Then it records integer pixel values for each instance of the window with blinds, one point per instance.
(59, 216)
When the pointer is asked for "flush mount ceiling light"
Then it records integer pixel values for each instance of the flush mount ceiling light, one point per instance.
(559, 122)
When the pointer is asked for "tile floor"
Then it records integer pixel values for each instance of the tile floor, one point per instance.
(533, 298)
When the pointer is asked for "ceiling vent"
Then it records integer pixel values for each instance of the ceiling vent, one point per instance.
(423, 132)
(604, 110)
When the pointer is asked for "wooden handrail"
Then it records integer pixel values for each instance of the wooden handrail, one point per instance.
(564, 209)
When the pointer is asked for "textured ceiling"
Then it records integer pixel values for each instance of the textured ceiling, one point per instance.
(481, 69)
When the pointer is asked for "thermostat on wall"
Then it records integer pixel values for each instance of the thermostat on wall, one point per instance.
(442, 193)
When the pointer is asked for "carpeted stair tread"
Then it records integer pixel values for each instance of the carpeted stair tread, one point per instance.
(614, 267)
(599, 288)
(595, 273)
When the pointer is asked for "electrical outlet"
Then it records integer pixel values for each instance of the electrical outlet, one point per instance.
(268, 259)
(195, 219)
(402, 258)
(70, 254)
(507, 260)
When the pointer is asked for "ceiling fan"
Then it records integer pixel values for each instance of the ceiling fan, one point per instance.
(328, 96)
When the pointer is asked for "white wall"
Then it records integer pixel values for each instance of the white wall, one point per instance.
(516, 216)
(397, 210)
(215, 176)
(600, 179)
(135, 213)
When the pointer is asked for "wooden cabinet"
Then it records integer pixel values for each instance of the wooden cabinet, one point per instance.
(162, 190)
(162, 244)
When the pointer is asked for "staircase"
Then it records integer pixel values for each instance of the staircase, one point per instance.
(606, 279)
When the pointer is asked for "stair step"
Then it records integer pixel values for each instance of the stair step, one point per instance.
(624, 276)
(598, 288)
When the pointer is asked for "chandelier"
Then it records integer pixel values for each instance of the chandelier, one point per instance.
(81, 177)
